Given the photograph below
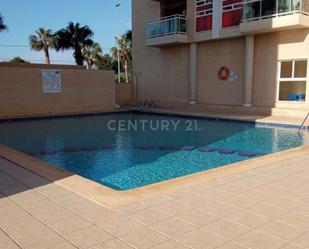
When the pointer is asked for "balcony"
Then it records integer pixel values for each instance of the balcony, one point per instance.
(269, 15)
(169, 30)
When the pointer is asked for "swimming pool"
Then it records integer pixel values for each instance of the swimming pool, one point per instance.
(129, 150)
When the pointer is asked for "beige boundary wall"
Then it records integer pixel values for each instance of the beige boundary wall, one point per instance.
(83, 91)
(124, 93)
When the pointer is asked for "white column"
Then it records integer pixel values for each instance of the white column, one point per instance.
(193, 74)
(249, 68)
(216, 19)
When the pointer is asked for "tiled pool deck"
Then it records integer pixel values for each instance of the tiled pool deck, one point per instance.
(261, 207)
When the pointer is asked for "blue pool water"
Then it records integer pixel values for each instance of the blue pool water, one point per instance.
(106, 149)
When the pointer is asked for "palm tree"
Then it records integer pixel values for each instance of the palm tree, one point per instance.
(92, 54)
(105, 62)
(44, 39)
(75, 37)
(114, 52)
(129, 37)
(2, 25)
(125, 51)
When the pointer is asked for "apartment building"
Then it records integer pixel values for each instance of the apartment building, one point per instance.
(249, 53)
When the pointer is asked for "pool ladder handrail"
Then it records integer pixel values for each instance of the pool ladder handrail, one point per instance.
(148, 104)
(303, 124)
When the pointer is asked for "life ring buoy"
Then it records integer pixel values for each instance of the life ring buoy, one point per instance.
(223, 73)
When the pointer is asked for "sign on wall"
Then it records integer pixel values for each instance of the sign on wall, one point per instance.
(51, 81)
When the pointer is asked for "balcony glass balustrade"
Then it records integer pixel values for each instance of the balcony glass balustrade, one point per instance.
(165, 26)
(262, 9)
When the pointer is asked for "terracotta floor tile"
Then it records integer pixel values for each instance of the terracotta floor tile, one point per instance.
(197, 217)
(112, 244)
(200, 239)
(156, 200)
(150, 216)
(75, 203)
(56, 243)
(144, 238)
(174, 207)
(28, 231)
(122, 226)
(171, 244)
(6, 242)
(44, 209)
(248, 219)
(292, 246)
(88, 237)
(101, 215)
(225, 228)
(296, 219)
(51, 190)
(302, 209)
(266, 209)
(232, 188)
(231, 245)
(281, 230)
(70, 224)
(258, 240)
(173, 226)
(303, 240)
(260, 208)
(132, 208)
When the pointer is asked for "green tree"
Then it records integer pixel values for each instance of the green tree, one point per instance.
(106, 62)
(44, 39)
(75, 37)
(19, 60)
(128, 36)
(125, 51)
(2, 25)
(92, 54)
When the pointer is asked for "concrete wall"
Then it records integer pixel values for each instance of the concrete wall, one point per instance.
(211, 57)
(83, 91)
(269, 49)
(124, 93)
(162, 73)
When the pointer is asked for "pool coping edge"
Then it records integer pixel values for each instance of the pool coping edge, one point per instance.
(258, 120)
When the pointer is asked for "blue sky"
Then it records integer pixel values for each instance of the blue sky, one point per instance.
(24, 17)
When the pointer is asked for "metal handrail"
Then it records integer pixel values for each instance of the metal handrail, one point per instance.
(303, 124)
(147, 105)
(135, 85)
(156, 20)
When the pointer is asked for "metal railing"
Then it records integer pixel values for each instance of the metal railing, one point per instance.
(169, 25)
(303, 123)
(263, 9)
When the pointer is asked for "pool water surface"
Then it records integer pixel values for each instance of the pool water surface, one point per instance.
(129, 150)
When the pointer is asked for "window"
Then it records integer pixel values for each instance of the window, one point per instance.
(293, 80)
(231, 13)
(204, 11)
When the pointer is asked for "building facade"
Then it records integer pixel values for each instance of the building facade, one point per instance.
(249, 53)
